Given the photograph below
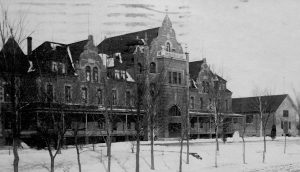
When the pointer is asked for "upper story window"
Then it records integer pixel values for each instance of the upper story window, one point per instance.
(140, 68)
(49, 93)
(168, 47)
(99, 96)
(114, 97)
(88, 73)
(128, 98)
(174, 77)
(152, 67)
(201, 103)
(54, 67)
(285, 113)
(192, 102)
(1, 93)
(205, 86)
(95, 74)
(226, 105)
(179, 78)
(68, 94)
(61, 68)
(84, 94)
(170, 77)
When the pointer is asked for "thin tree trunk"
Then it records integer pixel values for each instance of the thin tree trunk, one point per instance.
(16, 155)
(52, 164)
(180, 154)
(265, 149)
(244, 150)
(137, 155)
(152, 141)
(217, 148)
(78, 153)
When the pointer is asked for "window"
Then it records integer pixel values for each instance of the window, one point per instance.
(88, 73)
(170, 77)
(140, 68)
(68, 94)
(114, 97)
(168, 47)
(235, 120)
(122, 74)
(1, 93)
(290, 125)
(285, 113)
(281, 125)
(201, 103)
(84, 94)
(174, 77)
(152, 67)
(49, 93)
(249, 119)
(95, 74)
(205, 86)
(226, 105)
(179, 78)
(61, 68)
(54, 67)
(99, 96)
(128, 98)
(192, 102)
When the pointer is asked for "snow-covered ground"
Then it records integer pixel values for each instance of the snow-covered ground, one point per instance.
(166, 157)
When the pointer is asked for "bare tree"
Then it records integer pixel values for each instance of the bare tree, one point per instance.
(264, 104)
(12, 31)
(52, 129)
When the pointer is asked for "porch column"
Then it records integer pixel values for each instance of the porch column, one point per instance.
(198, 128)
(86, 125)
(210, 134)
(126, 128)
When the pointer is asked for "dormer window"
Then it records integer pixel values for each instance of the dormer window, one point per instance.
(54, 67)
(88, 73)
(168, 47)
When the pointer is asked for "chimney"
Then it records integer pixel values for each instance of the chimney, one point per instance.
(29, 45)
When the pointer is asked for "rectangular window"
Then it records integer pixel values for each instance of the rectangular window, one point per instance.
(235, 120)
(128, 98)
(281, 125)
(68, 94)
(49, 93)
(99, 96)
(1, 94)
(249, 119)
(285, 113)
(84, 95)
(114, 97)
(170, 77)
(226, 105)
(174, 77)
(54, 67)
(290, 125)
(201, 103)
(192, 102)
(179, 78)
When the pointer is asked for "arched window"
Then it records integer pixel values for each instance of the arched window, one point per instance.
(168, 47)
(140, 69)
(174, 111)
(152, 67)
(88, 73)
(95, 74)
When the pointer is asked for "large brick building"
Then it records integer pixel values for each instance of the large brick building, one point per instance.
(77, 79)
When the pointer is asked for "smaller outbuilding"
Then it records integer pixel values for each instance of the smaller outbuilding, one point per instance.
(276, 110)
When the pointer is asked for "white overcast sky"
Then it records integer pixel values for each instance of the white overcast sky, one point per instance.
(252, 43)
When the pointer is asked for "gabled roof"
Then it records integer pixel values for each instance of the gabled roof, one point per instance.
(77, 48)
(195, 68)
(46, 50)
(12, 58)
(249, 104)
(121, 43)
